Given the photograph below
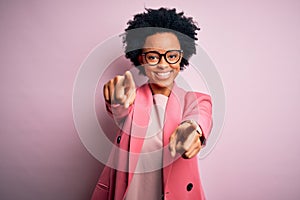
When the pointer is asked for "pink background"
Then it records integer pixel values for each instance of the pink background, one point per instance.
(254, 45)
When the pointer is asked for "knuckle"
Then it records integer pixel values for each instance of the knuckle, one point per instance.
(115, 80)
(110, 82)
(186, 148)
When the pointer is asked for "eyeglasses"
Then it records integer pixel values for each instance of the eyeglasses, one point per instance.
(171, 56)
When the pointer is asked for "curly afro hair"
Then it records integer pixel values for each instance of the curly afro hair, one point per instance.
(156, 21)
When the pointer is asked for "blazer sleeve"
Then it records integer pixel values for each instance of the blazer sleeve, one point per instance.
(198, 107)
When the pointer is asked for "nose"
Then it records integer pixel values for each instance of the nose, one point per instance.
(163, 63)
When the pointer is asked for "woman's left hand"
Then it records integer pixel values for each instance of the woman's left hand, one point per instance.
(185, 140)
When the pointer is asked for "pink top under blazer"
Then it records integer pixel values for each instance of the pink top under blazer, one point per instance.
(181, 178)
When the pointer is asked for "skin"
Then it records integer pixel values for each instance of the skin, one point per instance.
(121, 90)
(161, 42)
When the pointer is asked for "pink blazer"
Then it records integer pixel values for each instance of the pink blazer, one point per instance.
(181, 178)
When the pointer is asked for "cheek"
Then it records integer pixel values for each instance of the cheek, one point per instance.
(176, 67)
(147, 72)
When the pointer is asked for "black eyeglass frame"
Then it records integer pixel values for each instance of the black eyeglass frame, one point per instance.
(162, 55)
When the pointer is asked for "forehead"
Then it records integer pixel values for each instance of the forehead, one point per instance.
(162, 42)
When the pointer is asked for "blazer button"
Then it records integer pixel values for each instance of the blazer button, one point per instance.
(119, 139)
(189, 187)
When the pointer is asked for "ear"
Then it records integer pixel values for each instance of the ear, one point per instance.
(140, 59)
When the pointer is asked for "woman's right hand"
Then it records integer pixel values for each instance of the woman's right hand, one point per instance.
(120, 90)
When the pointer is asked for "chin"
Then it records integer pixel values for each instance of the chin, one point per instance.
(163, 84)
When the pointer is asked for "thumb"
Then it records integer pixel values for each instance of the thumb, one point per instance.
(172, 144)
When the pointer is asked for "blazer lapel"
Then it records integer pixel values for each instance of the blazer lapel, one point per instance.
(173, 118)
(140, 121)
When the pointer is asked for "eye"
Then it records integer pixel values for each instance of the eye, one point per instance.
(152, 57)
(173, 56)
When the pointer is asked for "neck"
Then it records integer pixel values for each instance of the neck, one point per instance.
(156, 89)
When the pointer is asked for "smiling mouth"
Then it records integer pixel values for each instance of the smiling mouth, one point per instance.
(163, 75)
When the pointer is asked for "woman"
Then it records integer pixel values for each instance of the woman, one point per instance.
(162, 127)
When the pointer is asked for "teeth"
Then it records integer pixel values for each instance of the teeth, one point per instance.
(163, 74)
